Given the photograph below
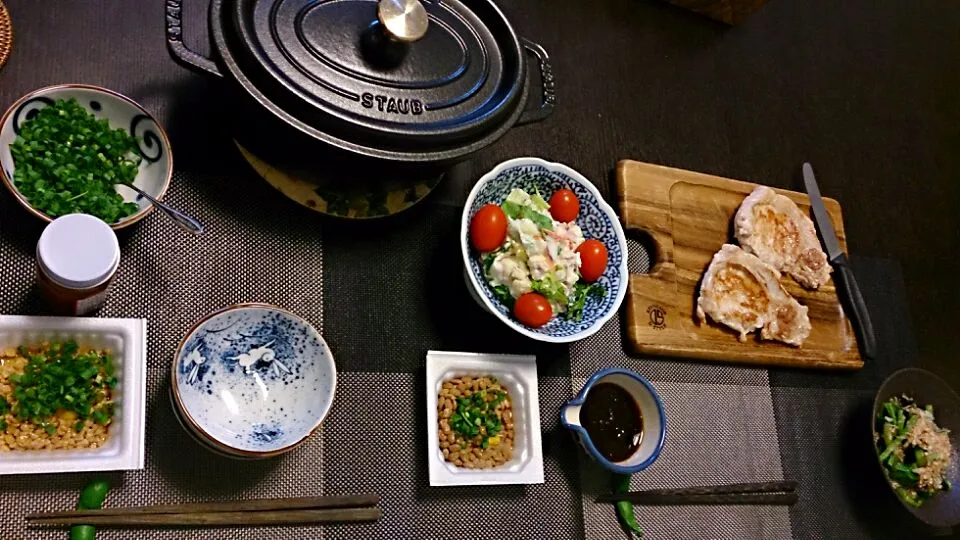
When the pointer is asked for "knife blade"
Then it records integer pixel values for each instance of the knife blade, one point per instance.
(840, 262)
(830, 241)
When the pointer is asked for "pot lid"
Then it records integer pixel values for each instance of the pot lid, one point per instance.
(399, 75)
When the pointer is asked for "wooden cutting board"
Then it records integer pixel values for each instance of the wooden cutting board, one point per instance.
(689, 216)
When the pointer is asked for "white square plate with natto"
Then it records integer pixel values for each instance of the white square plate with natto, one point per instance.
(121, 447)
(522, 462)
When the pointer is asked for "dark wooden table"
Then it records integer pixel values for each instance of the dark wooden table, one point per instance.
(867, 91)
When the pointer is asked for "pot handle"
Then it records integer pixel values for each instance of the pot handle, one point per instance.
(549, 98)
(178, 50)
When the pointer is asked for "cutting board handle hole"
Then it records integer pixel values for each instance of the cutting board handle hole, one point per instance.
(642, 252)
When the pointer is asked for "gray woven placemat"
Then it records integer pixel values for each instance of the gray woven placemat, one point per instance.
(723, 424)
(249, 252)
(720, 429)
(252, 253)
(375, 441)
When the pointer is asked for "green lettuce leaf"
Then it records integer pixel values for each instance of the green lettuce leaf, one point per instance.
(582, 292)
(519, 205)
(502, 292)
(551, 288)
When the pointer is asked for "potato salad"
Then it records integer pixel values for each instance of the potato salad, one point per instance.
(525, 250)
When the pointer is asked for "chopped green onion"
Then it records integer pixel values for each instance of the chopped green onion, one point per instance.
(67, 161)
(60, 378)
(476, 416)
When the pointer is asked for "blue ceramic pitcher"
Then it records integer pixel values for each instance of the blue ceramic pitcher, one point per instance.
(650, 406)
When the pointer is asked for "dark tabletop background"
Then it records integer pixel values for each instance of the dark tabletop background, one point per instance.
(865, 90)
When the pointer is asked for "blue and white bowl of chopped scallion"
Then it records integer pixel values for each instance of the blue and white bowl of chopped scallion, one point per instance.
(70, 148)
(543, 251)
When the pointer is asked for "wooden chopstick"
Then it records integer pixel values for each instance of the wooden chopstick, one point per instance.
(257, 505)
(200, 519)
(774, 499)
(776, 493)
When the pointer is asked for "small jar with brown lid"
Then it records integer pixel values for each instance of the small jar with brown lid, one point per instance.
(77, 257)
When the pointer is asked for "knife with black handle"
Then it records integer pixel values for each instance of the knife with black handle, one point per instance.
(844, 274)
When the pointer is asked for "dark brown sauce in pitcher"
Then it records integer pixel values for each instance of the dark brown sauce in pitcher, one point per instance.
(612, 419)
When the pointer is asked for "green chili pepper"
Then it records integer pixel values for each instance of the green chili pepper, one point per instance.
(91, 498)
(625, 508)
(908, 497)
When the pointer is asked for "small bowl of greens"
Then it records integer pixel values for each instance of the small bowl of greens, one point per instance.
(75, 148)
(915, 418)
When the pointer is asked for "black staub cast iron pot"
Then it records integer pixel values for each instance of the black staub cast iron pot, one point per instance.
(424, 82)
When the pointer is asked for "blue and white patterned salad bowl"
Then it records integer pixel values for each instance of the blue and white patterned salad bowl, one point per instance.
(253, 381)
(156, 165)
(597, 219)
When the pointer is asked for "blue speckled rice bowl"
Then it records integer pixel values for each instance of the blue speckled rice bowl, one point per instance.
(253, 381)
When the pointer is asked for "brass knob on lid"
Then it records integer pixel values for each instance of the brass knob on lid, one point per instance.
(403, 20)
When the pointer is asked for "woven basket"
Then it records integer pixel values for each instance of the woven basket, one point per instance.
(6, 34)
(728, 11)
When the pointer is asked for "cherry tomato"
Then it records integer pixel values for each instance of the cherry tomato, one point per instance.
(564, 205)
(488, 228)
(533, 310)
(593, 259)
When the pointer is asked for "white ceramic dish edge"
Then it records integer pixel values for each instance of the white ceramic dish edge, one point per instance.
(125, 447)
(195, 426)
(465, 248)
(521, 368)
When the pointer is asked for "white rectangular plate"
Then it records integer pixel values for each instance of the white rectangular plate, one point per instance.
(519, 375)
(127, 340)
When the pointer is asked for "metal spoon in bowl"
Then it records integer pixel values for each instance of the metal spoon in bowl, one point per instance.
(185, 222)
